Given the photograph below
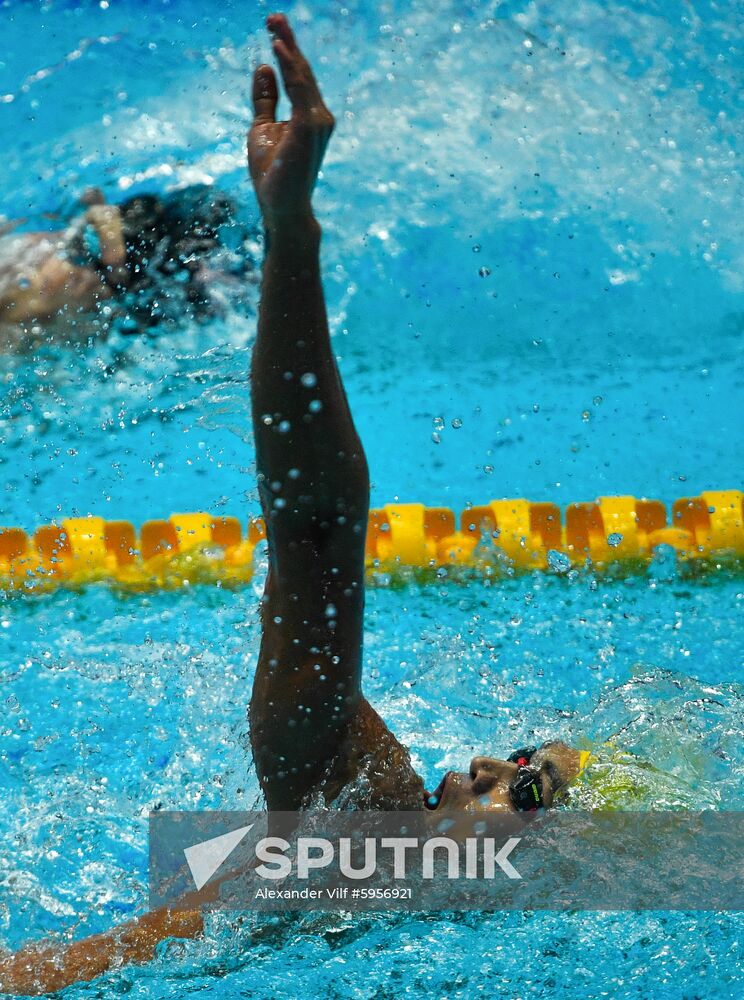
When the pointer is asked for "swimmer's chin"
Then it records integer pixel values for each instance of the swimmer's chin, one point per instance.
(433, 800)
(457, 792)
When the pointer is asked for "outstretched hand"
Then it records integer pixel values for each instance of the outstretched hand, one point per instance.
(284, 157)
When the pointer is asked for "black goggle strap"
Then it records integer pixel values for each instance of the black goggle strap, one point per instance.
(522, 756)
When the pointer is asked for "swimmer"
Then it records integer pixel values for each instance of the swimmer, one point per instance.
(313, 733)
(134, 257)
(312, 730)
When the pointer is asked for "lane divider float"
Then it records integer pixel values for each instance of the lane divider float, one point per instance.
(503, 534)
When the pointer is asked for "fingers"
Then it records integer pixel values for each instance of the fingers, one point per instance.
(278, 25)
(265, 95)
(298, 78)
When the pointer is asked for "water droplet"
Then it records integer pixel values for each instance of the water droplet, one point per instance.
(484, 271)
(456, 423)
(476, 248)
(315, 406)
(597, 400)
(438, 423)
(614, 539)
(558, 561)
(585, 416)
(309, 380)
(436, 438)
(284, 427)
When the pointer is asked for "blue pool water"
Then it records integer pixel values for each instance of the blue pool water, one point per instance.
(584, 157)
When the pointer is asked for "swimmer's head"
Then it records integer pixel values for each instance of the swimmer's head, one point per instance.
(170, 244)
(195, 216)
(527, 780)
(173, 232)
(143, 228)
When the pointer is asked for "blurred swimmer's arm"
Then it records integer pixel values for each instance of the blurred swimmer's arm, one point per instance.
(312, 472)
(106, 220)
(42, 968)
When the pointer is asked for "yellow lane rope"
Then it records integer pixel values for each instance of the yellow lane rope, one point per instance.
(190, 548)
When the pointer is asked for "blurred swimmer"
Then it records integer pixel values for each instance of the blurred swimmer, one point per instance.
(147, 260)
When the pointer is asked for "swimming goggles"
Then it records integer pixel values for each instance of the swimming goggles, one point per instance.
(526, 789)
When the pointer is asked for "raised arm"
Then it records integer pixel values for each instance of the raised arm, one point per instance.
(312, 473)
(106, 220)
(307, 709)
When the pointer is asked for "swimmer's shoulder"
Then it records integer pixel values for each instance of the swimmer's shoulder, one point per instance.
(372, 769)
